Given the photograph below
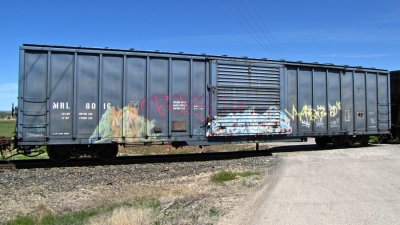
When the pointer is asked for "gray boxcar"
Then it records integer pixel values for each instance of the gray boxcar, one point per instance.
(395, 100)
(77, 100)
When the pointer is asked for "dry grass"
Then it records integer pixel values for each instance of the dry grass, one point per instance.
(124, 216)
(41, 211)
(164, 149)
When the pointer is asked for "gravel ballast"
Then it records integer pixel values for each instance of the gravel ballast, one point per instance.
(61, 190)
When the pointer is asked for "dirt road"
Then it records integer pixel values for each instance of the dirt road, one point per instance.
(342, 186)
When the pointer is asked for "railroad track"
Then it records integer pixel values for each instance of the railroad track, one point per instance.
(125, 160)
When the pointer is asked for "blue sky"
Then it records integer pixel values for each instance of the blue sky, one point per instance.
(352, 32)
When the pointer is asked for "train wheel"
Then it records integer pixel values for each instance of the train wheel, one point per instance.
(340, 142)
(364, 140)
(382, 139)
(322, 141)
(357, 141)
(58, 153)
(350, 141)
(106, 151)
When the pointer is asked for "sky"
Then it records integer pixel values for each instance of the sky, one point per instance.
(345, 32)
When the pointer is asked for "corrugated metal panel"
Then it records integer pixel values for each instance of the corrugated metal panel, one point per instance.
(80, 98)
(338, 102)
(243, 87)
(248, 99)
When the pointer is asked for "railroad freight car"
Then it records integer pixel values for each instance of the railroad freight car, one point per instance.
(395, 102)
(77, 100)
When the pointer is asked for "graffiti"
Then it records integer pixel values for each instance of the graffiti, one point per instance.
(347, 115)
(372, 120)
(307, 115)
(334, 109)
(130, 122)
(335, 123)
(117, 123)
(162, 104)
(272, 121)
(199, 131)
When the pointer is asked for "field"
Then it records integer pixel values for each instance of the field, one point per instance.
(7, 127)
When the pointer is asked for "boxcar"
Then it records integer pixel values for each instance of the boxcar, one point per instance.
(395, 102)
(77, 100)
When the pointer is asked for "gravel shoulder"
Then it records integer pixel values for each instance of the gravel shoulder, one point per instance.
(184, 189)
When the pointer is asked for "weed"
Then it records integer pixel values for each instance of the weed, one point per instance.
(224, 176)
(195, 218)
(374, 139)
(213, 212)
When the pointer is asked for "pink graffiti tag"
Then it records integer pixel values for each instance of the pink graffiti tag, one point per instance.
(160, 107)
(162, 104)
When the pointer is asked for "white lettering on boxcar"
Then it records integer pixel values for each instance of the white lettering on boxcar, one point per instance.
(61, 105)
(89, 105)
(179, 105)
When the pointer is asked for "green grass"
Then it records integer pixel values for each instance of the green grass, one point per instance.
(82, 217)
(76, 218)
(224, 176)
(7, 127)
(23, 157)
(213, 212)
(374, 139)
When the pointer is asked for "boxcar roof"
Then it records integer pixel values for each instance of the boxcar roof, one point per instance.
(203, 56)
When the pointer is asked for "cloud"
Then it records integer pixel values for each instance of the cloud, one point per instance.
(8, 95)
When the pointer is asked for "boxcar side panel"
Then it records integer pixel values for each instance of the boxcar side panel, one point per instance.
(61, 95)
(320, 101)
(87, 100)
(198, 99)
(359, 102)
(34, 113)
(383, 103)
(180, 97)
(372, 101)
(157, 99)
(110, 98)
(347, 101)
(334, 101)
(135, 110)
(305, 106)
(292, 105)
